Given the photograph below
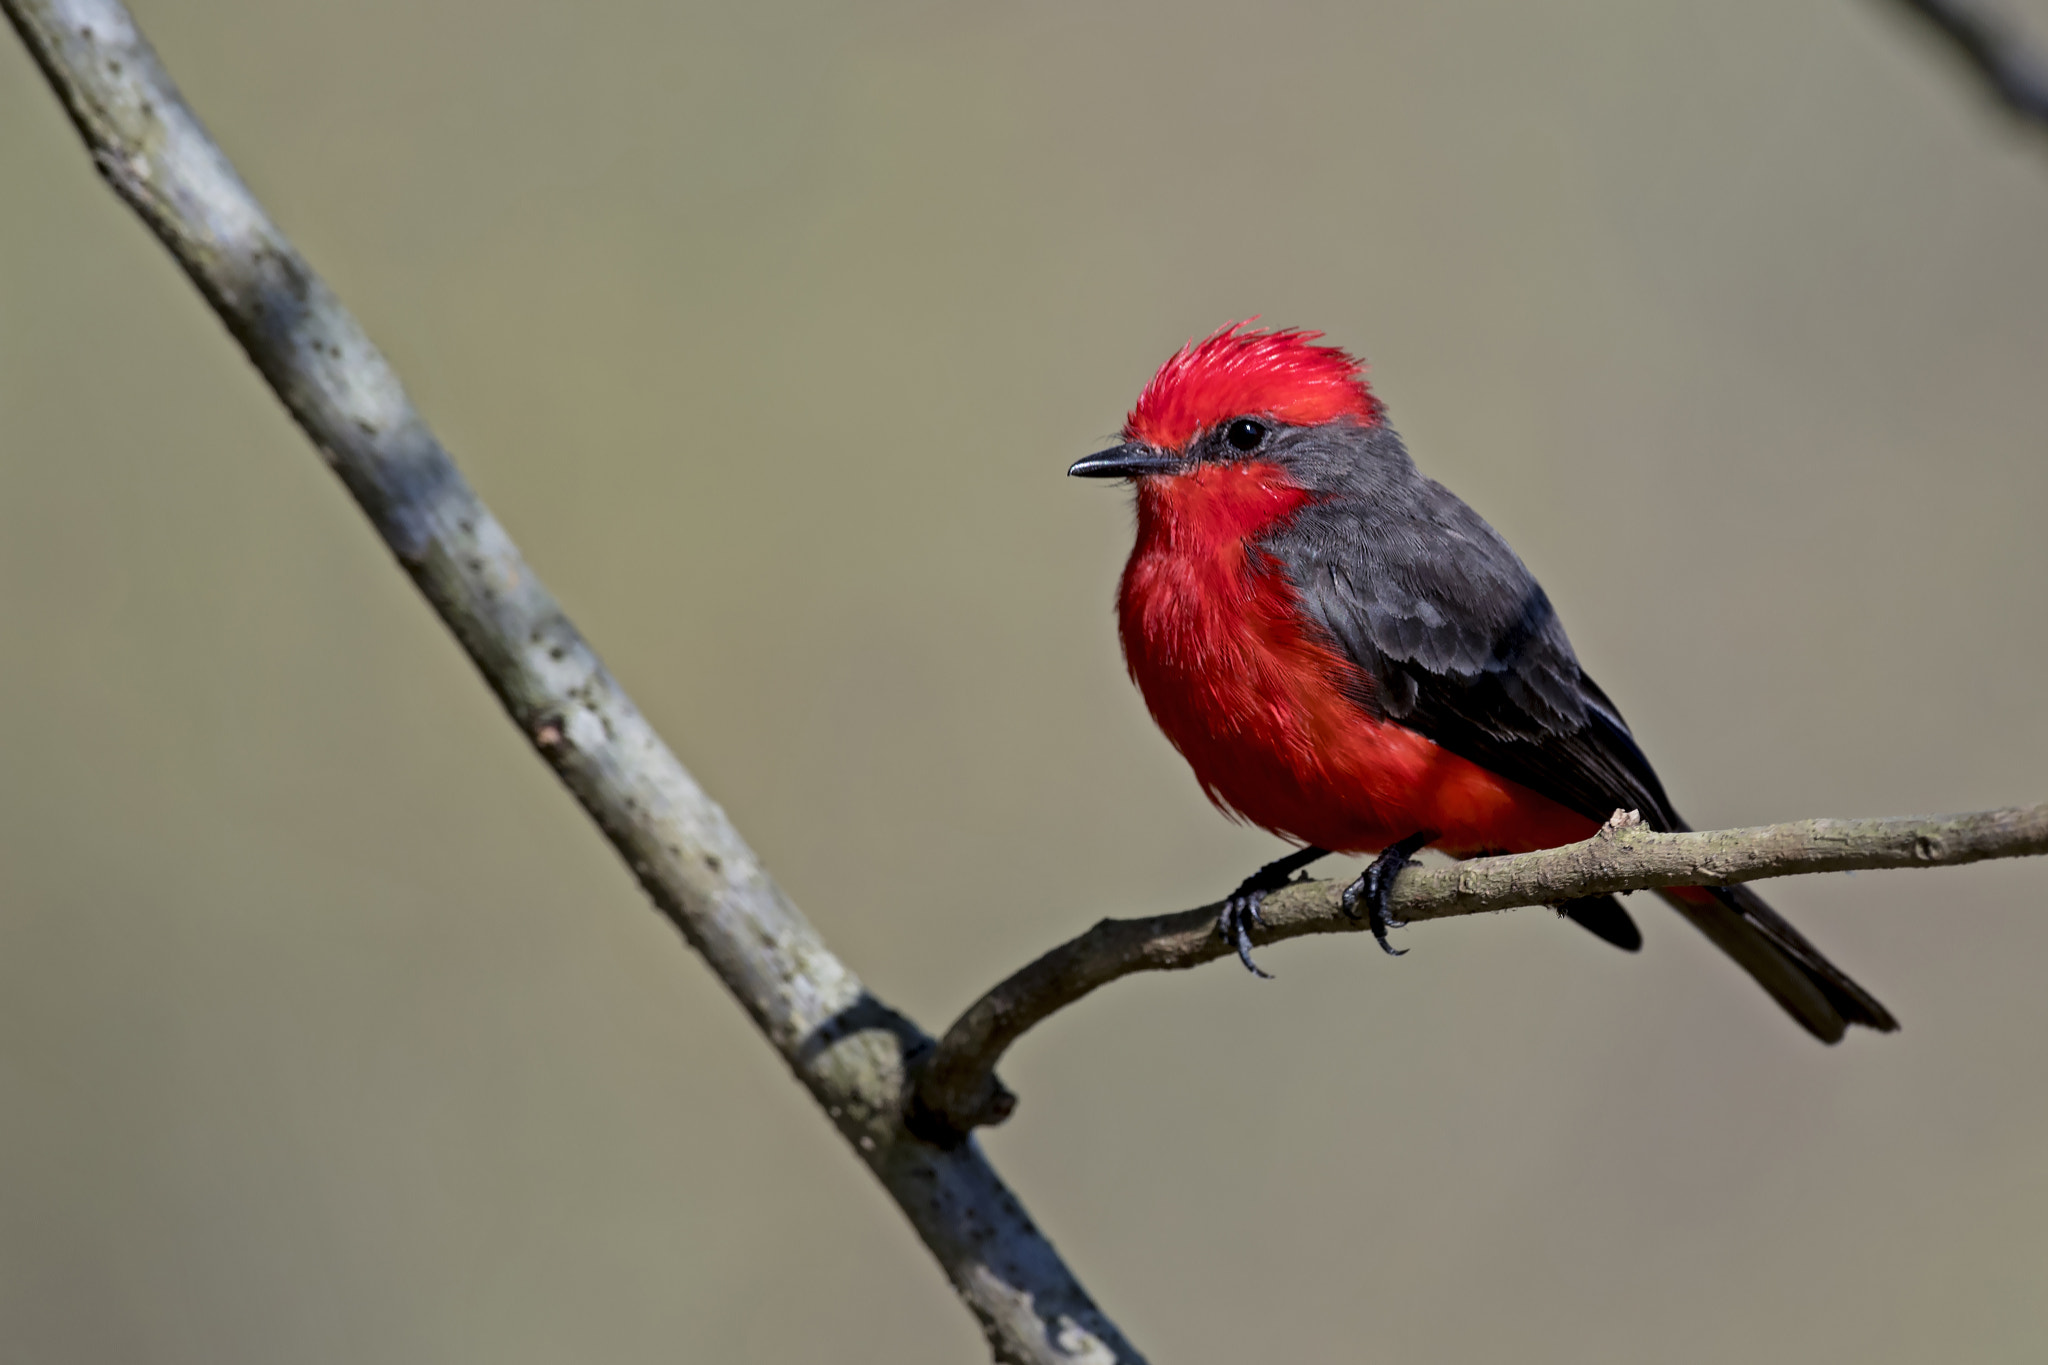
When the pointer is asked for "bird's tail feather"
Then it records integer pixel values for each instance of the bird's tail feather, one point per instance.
(1812, 989)
(1604, 917)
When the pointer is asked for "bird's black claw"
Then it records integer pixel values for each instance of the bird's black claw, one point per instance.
(1375, 886)
(1241, 907)
(1372, 889)
(1234, 923)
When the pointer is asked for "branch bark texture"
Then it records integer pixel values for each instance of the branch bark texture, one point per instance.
(2010, 71)
(957, 1089)
(845, 1046)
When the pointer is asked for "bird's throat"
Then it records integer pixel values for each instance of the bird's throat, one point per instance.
(1214, 510)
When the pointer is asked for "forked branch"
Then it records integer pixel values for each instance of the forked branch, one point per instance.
(957, 1089)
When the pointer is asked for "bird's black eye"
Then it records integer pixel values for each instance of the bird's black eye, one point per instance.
(1245, 434)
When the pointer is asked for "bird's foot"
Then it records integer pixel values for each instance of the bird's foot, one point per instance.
(1241, 907)
(1234, 923)
(1375, 886)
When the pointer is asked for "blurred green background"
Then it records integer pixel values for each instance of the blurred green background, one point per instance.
(330, 1031)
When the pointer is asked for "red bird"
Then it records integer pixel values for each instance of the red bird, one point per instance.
(1350, 657)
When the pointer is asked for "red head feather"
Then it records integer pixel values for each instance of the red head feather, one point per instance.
(1282, 376)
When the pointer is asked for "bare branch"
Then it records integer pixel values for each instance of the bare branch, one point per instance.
(2011, 72)
(847, 1048)
(957, 1089)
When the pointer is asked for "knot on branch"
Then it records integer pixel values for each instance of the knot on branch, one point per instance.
(943, 1103)
(1621, 820)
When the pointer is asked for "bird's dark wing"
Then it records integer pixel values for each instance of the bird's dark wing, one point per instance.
(1455, 639)
(1452, 637)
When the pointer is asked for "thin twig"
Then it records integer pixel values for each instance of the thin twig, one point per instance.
(957, 1089)
(846, 1047)
(2010, 71)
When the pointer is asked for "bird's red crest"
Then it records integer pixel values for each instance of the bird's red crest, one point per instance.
(1282, 376)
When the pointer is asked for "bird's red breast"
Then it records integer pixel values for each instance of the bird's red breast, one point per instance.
(1269, 717)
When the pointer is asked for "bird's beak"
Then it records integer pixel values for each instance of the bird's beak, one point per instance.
(1126, 461)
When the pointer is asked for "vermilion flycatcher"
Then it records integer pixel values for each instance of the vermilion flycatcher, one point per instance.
(1350, 657)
